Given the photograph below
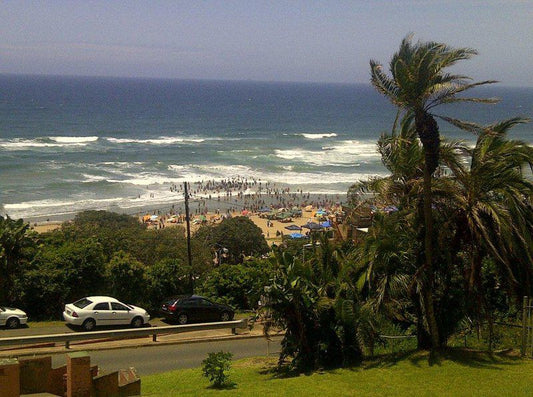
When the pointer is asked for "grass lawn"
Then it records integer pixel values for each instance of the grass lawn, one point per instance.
(45, 324)
(455, 373)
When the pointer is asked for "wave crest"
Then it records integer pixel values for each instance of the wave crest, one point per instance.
(162, 140)
(319, 135)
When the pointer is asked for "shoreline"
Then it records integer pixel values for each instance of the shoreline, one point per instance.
(273, 230)
(233, 202)
(234, 193)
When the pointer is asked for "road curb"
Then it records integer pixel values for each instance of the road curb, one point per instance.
(116, 344)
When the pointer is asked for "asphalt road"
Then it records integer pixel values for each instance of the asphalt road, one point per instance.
(157, 359)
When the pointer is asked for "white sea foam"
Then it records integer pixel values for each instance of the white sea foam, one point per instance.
(342, 153)
(162, 140)
(73, 139)
(92, 178)
(318, 135)
(152, 190)
(24, 144)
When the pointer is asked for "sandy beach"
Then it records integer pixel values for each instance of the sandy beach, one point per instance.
(212, 200)
(272, 229)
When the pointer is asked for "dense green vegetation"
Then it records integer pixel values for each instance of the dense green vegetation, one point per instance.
(106, 253)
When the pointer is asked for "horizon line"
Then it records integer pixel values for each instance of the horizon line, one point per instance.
(497, 85)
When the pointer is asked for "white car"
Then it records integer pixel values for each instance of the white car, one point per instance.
(93, 311)
(11, 317)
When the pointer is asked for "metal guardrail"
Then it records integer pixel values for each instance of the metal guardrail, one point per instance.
(122, 333)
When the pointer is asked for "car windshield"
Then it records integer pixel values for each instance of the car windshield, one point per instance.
(82, 303)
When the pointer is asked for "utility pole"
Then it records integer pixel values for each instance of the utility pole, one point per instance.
(188, 220)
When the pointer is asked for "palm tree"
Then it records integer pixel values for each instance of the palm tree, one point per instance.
(418, 84)
(402, 155)
(491, 198)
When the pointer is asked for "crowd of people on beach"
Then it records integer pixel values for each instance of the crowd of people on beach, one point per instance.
(238, 195)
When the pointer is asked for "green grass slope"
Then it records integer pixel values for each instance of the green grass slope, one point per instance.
(455, 373)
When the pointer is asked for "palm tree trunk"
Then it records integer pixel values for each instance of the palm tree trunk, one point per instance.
(428, 131)
(428, 250)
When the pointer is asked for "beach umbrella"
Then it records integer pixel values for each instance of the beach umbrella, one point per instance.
(296, 212)
(283, 215)
(320, 212)
(313, 226)
(293, 227)
(154, 218)
(296, 235)
(326, 224)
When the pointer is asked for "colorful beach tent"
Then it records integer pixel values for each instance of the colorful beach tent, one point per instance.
(293, 227)
(296, 235)
(312, 226)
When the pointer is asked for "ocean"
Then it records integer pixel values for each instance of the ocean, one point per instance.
(69, 144)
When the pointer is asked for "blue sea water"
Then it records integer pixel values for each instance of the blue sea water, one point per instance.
(74, 143)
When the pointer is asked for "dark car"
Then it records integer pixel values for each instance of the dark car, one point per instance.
(195, 309)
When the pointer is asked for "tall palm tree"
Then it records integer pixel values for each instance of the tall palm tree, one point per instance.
(492, 201)
(417, 85)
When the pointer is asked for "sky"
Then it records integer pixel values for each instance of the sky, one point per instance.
(271, 40)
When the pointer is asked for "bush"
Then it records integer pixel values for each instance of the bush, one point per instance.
(238, 285)
(216, 366)
(126, 278)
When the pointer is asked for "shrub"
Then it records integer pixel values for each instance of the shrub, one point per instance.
(125, 277)
(238, 285)
(216, 366)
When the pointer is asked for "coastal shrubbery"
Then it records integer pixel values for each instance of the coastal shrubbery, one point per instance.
(101, 252)
(239, 285)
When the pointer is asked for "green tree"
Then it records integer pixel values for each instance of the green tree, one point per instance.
(113, 231)
(168, 277)
(125, 276)
(239, 236)
(419, 83)
(16, 251)
(83, 264)
(238, 285)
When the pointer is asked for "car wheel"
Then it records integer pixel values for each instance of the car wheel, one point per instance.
(13, 323)
(88, 325)
(182, 319)
(225, 316)
(137, 322)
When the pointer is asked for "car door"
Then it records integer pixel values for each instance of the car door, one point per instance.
(102, 314)
(3, 316)
(120, 314)
(207, 311)
(190, 307)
